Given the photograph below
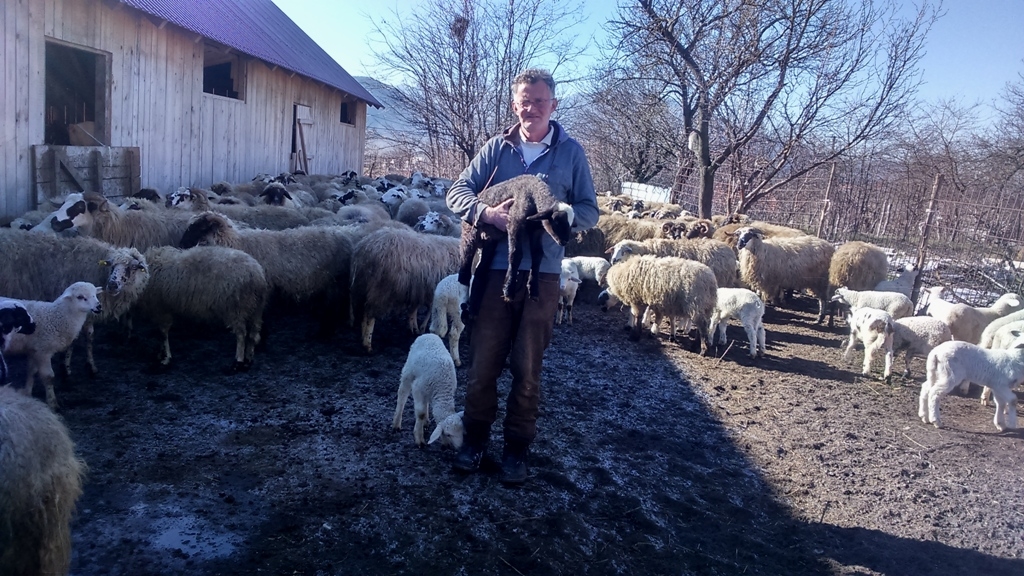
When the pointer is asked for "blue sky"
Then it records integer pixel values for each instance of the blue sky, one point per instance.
(972, 52)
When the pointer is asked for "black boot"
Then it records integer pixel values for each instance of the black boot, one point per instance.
(513, 461)
(474, 446)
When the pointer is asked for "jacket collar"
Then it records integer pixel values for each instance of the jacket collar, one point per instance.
(511, 134)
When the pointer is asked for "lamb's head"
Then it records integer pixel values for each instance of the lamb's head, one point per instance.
(607, 300)
(745, 236)
(557, 222)
(78, 211)
(275, 194)
(14, 318)
(180, 198)
(842, 295)
(83, 296)
(623, 250)
(128, 270)
(393, 197)
(450, 431)
(203, 228)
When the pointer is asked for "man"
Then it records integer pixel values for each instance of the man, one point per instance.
(521, 330)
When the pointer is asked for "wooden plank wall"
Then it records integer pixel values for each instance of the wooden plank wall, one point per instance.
(186, 137)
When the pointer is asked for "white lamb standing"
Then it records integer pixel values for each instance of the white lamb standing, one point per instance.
(429, 375)
(57, 325)
(968, 323)
(446, 313)
(568, 284)
(874, 328)
(952, 364)
(745, 306)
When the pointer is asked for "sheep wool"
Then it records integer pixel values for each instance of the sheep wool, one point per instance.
(917, 335)
(712, 253)
(772, 265)
(40, 481)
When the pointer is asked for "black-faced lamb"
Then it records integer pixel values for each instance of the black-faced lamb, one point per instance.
(13, 318)
(57, 325)
(745, 306)
(712, 253)
(396, 270)
(209, 284)
(671, 287)
(874, 328)
(534, 211)
(429, 375)
(40, 481)
(773, 265)
(40, 267)
(895, 303)
(446, 313)
(92, 215)
(952, 364)
(968, 322)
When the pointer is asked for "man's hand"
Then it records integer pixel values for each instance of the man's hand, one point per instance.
(497, 216)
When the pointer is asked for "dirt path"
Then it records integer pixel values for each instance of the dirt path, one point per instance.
(650, 460)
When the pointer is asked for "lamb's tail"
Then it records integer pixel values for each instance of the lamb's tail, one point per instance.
(439, 318)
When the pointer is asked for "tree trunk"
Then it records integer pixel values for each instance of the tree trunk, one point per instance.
(707, 190)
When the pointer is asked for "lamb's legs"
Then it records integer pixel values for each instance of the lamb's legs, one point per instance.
(1006, 408)
(760, 339)
(421, 424)
(922, 404)
(515, 258)
(89, 360)
(368, 322)
(404, 389)
(752, 339)
(454, 333)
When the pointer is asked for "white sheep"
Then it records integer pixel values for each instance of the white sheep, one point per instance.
(57, 325)
(988, 334)
(446, 313)
(874, 328)
(895, 303)
(591, 268)
(40, 267)
(712, 253)
(671, 287)
(917, 335)
(396, 270)
(211, 284)
(903, 283)
(952, 364)
(40, 481)
(429, 375)
(968, 322)
(773, 265)
(568, 284)
(745, 306)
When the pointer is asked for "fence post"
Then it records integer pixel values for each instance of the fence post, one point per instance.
(923, 248)
(824, 206)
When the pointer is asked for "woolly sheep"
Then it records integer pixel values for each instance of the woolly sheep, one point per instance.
(40, 481)
(262, 216)
(92, 215)
(904, 283)
(988, 334)
(446, 313)
(669, 286)
(896, 304)
(729, 233)
(745, 306)
(429, 375)
(534, 207)
(411, 211)
(917, 335)
(13, 318)
(568, 284)
(874, 328)
(210, 284)
(617, 227)
(440, 224)
(712, 253)
(968, 322)
(591, 268)
(952, 364)
(589, 242)
(857, 266)
(57, 325)
(40, 267)
(397, 269)
(772, 265)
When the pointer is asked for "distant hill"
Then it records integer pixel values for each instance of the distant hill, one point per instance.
(385, 120)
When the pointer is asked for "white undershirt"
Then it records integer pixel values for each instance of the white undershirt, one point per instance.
(532, 150)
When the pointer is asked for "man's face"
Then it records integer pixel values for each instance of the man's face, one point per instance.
(533, 105)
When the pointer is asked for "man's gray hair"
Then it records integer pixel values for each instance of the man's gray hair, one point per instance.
(532, 75)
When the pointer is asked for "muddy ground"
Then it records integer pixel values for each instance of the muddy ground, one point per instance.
(650, 460)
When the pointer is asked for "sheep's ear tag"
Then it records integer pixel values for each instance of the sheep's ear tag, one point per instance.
(104, 263)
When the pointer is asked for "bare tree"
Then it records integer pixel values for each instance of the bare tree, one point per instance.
(452, 65)
(806, 80)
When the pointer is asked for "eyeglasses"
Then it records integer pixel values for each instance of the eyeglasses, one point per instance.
(535, 103)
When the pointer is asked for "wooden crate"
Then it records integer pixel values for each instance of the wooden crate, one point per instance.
(59, 170)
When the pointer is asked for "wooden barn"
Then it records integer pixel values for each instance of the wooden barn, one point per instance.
(113, 95)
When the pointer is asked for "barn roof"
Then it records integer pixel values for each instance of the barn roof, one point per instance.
(260, 29)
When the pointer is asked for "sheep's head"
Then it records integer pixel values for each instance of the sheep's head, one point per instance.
(434, 223)
(394, 197)
(450, 431)
(557, 222)
(221, 188)
(201, 228)
(1008, 303)
(673, 230)
(638, 205)
(77, 211)
(700, 229)
(84, 297)
(607, 300)
(840, 295)
(275, 194)
(127, 268)
(747, 235)
(623, 250)
(14, 318)
(148, 194)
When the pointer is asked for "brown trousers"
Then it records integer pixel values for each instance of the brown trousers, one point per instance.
(519, 331)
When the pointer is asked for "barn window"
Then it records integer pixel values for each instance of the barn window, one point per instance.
(348, 110)
(223, 73)
(77, 90)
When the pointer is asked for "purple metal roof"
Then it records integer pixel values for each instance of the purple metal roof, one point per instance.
(260, 29)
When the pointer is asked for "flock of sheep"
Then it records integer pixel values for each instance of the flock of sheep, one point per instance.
(363, 249)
